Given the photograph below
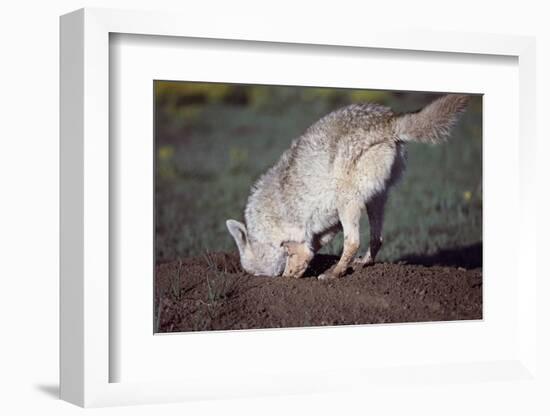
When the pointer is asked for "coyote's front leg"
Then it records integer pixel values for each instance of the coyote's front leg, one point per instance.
(349, 218)
(299, 257)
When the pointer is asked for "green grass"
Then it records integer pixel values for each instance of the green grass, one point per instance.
(219, 286)
(209, 155)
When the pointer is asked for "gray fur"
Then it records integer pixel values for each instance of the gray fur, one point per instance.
(343, 164)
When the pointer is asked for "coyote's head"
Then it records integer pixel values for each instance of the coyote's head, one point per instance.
(257, 258)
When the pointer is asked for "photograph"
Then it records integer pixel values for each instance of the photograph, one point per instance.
(279, 206)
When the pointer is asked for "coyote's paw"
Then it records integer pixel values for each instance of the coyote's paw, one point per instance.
(295, 267)
(327, 276)
(296, 274)
(360, 262)
(331, 274)
(299, 256)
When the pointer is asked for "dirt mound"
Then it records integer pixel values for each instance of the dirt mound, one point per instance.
(213, 293)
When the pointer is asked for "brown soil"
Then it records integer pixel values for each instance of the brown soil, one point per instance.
(212, 293)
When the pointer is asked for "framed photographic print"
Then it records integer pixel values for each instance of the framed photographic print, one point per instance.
(281, 212)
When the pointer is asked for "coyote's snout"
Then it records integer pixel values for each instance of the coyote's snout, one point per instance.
(342, 164)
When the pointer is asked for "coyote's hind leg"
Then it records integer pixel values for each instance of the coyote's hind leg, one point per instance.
(375, 212)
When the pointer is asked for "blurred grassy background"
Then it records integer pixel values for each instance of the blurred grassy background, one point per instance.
(214, 140)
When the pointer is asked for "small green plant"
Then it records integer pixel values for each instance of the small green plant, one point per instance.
(219, 286)
(175, 291)
(175, 282)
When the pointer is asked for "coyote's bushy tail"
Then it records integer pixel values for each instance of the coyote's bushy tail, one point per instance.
(434, 122)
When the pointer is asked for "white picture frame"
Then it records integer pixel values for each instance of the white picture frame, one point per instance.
(86, 356)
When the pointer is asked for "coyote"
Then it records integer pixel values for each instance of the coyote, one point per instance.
(343, 164)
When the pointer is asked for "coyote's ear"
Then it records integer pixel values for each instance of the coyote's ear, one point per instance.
(238, 231)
